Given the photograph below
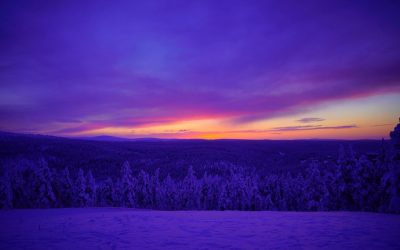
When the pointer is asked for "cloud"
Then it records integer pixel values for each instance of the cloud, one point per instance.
(78, 129)
(177, 131)
(310, 119)
(312, 127)
(383, 125)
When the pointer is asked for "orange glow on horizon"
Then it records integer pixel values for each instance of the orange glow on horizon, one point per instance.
(367, 118)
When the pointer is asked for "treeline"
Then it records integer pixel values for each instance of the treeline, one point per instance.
(353, 183)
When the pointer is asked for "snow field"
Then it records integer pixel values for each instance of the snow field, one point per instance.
(120, 228)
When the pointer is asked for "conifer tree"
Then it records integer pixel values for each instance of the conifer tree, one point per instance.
(6, 194)
(143, 190)
(106, 194)
(169, 199)
(65, 189)
(81, 197)
(393, 180)
(155, 189)
(42, 196)
(315, 189)
(127, 186)
(91, 189)
(190, 195)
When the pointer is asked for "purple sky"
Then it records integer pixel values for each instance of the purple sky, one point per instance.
(71, 68)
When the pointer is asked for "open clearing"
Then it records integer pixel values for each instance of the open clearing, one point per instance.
(119, 228)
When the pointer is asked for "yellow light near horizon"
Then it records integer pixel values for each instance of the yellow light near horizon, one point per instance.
(374, 117)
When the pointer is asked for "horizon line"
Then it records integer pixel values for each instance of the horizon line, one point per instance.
(122, 138)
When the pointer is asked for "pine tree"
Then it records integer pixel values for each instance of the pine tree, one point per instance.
(65, 189)
(209, 192)
(143, 190)
(315, 189)
(367, 188)
(224, 198)
(155, 189)
(42, 195)
(168, 193)
(393, 177)
(91, 189)
(275, 189)
(6, 194)
(190, 192)
(127, 186)
(253, 197)
(81, 197)
(19, 177)
(267, 190)
(107, 194)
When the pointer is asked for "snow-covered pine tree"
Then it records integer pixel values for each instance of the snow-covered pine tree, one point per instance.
(252, 194)
(228, 198)
(106, 194)
(91, 189)
(20, 191)
(127, 186)
(143, 189)
(64, 189)
(298, 186)
(276, 189)
(168, 194)
(239, 190)
(315, 190)
(6, 194)
(333, 181)
(224, 197)
(367, 185)
(208, 193)
(280, 195)
(267, 190)
(392, 179)
(81, 198)
(43, 196)
(344, 179)
(190, 192)
(155, 189)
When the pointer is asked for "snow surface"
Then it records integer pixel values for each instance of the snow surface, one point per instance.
(119, 228)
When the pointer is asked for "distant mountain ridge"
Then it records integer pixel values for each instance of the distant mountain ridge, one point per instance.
(115, 138)
(88, 138)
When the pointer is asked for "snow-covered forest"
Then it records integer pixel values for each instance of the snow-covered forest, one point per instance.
(353, 183)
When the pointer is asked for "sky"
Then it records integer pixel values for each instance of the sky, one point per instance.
(200, 69)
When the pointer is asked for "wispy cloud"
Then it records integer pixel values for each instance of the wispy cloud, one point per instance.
(177, 131)
(383, 125)
(310, 119)
(312, 127)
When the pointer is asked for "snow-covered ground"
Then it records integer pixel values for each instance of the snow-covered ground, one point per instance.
(117, 228)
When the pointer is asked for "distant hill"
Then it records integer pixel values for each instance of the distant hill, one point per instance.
(103, 138)
(115, 138)
(90, 138)
(4, 134)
